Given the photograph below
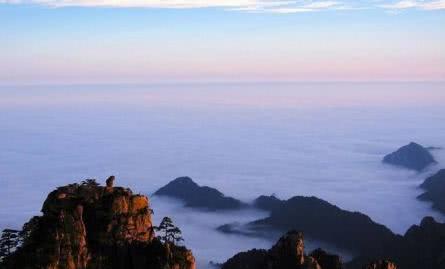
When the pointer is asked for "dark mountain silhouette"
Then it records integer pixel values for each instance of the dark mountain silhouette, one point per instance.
(202, 197)
(321, 220)
(422, 246)
(287, 253)
(267, 203)
(412, 156)
(435, 190)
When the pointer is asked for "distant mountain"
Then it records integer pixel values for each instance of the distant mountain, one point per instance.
(267, 203)
(435, 190)
(422, 246)
(195, 196)
(412, 156)
(323, 221)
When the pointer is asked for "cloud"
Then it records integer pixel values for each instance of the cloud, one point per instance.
(409, 4)
(271, 6)
(274, 6)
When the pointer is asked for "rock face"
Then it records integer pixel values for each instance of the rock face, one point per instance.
(412, 156)
(435, 190)
(323, 221)
(89, 226)
(287, 253)
(196, 196)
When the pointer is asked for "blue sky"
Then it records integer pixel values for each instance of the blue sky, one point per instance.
(89, 41)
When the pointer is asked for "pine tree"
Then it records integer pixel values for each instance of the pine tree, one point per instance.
(27, 229)
(90, 183)
(169, 232)
(9, 241)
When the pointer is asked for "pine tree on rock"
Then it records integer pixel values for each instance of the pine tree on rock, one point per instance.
(169, 232)
(9, 241)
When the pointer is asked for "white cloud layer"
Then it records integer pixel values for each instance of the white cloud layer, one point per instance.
(274, 6)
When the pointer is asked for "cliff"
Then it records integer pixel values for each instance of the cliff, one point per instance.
(90, 226)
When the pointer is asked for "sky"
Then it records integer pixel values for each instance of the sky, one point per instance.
(142, 41)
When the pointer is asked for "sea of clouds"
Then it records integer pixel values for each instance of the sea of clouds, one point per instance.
(245, 140)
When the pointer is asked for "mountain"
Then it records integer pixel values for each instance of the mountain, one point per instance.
(287, 253)
(267, 203)
(412, 156)
(195, 196)
(435, 190)
(422, 246)
(320, 220)
(90, 226)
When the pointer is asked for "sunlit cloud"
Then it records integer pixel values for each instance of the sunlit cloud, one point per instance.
(272, 6)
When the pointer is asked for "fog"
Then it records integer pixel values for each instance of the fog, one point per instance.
(311, 139)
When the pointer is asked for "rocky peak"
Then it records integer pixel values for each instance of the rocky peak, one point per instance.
(290, 248)
(287, 253)
(111, 213)
(89, 226)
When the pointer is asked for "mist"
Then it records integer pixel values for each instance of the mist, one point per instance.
(304, 143)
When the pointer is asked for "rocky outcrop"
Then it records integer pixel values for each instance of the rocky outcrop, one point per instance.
(322, 221)
(287, 253)
(435, 190)
(90, 226)
(412, 156)
(201, 197)
(110, 182)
